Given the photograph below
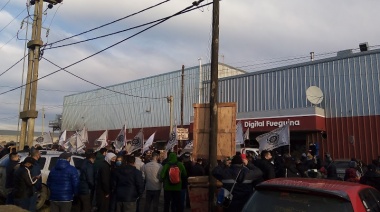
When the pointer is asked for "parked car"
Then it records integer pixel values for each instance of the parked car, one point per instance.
(309, 194)
(47, 161)
(341, 166)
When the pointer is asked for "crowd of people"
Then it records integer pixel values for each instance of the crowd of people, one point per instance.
(110, 181)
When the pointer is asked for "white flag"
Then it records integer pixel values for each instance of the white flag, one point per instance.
(246, 134)
(172, 140)
(189, 145)
(45, 139)
(137, 142)
(75, 143)
(120, 140)
(62, 138)
(239, 134)
(275, 138)
(84, 135)
(101, 142)
(148, 143)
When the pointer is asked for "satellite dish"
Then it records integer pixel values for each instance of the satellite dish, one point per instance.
(314, 95)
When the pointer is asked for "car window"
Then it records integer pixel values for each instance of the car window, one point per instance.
(53, 161)
(273, 201)
(42, 162)
(77, 162)
(370, 199)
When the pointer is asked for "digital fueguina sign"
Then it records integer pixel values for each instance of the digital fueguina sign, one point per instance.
(268, 123)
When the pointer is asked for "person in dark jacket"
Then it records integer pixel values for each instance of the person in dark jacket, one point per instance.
(103, 182)
(87, 182)
(100, 155)
(243, 188)
(63, 182)
(266, 165)
(129, 186)
(330, 168)
(23, 190)
(198, 169)
(12, 166)
(35, 172)
(371, 177)
(290, 167)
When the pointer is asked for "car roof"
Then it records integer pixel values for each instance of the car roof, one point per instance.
(332, 187)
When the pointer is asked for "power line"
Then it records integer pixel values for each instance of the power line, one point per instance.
(9, 41)
(102, 87)
(113, 45)
(112, 22)
(5, 5)
(12, 20)
(13, 65)
(117, 32)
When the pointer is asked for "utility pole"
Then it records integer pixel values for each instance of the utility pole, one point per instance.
(29, 113)
(213, 104)
(170, 101)
(182, 92)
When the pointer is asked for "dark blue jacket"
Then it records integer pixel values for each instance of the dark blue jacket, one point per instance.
(63, 181)
(10, 170)
(128, 184)
(87, 178)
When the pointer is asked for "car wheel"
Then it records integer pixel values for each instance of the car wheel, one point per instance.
(43, 195)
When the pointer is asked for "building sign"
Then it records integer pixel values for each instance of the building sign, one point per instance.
(269, 123)
(182, 134)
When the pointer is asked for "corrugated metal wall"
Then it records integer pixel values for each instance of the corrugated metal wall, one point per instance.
(350, 86)
(102, 109)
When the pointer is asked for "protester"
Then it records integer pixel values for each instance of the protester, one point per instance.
(243, 188)
(139, 163)
(266, 165)
(103, 187)
(87, 183)
(129, 186)
(36, 173)
(371, 177)
(23, 184)
(100, 155)
(198, 169)
(63, 182)
(172, 190)
(351, 173)
(330, 168)
(290, 167)
(189, 170)
(119, 163)
(152, 183)
(12, 166)
(246, 162)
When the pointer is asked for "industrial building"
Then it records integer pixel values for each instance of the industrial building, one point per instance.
(345, 123)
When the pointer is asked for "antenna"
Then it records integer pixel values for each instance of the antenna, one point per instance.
(314, 95)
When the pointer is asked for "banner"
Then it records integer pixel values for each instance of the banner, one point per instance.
(101, 142)
(274, 139)
(62, 139)
(189, 145)
(148, 143)
(246, 134)
(45, 139)
(239, 133)
(120, 140)
(84, 135)
(172, 140)
(137, 142)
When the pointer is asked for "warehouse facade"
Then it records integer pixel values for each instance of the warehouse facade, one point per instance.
(348, 116)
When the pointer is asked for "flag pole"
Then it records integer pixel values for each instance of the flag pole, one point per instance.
(289, 136)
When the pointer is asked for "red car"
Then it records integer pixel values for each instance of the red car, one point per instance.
(307, 194)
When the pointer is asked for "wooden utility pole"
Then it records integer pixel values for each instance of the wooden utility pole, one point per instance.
(29, 113)
(213, 103)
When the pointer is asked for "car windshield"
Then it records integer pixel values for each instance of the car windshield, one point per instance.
(283, 201)
(342, 164)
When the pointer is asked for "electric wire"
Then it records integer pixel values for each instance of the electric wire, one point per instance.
(9, 40)
(13, 65)
(117, 32)
(112, 22)
(12, 20)
(96, 53)
(5, 5)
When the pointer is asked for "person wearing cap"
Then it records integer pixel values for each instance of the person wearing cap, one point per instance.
(63, 182)
(246, 162)
(103, 182)
(152, 183)
(244, 182)
(23, 187)
(35, 172)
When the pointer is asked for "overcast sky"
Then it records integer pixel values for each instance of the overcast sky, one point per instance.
(254, 35)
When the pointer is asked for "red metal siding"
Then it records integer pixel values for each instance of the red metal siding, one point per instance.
(366, 137)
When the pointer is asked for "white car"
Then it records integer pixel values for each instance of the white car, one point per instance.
(47, 161)
(253, 151)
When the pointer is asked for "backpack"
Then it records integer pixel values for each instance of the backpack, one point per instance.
(174, 174)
